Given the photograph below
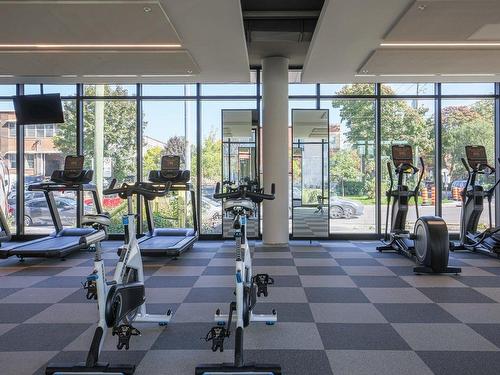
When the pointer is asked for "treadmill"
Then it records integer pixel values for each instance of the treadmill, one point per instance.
(169, 241)
(62, 241)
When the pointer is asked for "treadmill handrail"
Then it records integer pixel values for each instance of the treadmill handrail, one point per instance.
(57, 186)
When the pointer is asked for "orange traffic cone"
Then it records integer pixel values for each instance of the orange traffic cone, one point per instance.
(425, 197)
(433, 195)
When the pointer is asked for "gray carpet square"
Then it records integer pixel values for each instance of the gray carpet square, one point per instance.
(219, 270)
(60, 282)
(287, 312)
(40, 337)
(272, 262)
(39, 271)
(415, 313)
(4, 292)
(313, 270)
(311, 255)
(294, 362)
(361, 337)
(357, 262)
(481, 281)
(335, 295)
(462, 362)
(455, 295)
(187, 336)
(170, 281)
(370, 362)
(205, 295)
(379, 282)
(491, 332)
(20, 312)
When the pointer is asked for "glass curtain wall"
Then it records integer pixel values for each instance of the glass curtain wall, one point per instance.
(169, 128)
(8, 154)
(120, 129)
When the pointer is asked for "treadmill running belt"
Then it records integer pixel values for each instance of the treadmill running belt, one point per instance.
(49, 247)
(160, 242)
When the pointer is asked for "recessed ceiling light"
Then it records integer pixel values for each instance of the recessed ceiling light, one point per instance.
(147, 9)
(422, 7)
(76, 46)
(189, 71)
(442, 44)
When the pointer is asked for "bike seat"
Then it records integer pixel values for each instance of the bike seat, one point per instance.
(99, 219)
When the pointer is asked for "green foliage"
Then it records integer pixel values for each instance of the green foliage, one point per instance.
(466, 125)
(119, 131)
(211, 159)
(152, 159)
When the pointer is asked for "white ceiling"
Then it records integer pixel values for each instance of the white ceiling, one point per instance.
(134, 41)
(347, 42)
(210, 43)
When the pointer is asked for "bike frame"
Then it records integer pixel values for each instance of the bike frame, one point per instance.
(243, 275)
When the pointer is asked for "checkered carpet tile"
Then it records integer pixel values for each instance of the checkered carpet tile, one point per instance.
(343, 308)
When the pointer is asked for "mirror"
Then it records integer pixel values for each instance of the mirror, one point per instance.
(310, 199)
(240, 133)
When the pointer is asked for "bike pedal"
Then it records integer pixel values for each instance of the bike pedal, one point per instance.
(124, 332)
(262, 280)
(217, 335)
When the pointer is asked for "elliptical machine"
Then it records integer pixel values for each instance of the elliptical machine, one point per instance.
(473, 195)
(120, 301)
(241, 203)
(429, 243)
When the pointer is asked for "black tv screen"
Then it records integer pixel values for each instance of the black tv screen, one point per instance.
(38, 109)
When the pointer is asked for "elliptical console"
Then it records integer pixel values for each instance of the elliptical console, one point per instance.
(429, 242)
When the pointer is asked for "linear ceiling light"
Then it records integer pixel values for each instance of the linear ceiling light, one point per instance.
(439, 44)
(77, 46)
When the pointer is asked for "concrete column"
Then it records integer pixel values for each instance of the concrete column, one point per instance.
(275, 148)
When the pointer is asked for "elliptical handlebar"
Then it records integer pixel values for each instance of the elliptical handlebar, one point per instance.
(148, 190)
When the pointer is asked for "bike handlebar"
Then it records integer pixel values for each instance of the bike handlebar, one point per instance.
(243, 192)
(148, 190)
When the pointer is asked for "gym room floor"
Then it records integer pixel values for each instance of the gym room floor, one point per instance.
(343, 308)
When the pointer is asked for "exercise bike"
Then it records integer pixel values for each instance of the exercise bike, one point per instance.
(241, 202)
(120, 301)
(473, 196)
(429, 243)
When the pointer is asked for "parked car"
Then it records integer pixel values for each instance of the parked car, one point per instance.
(36, 211)
(212, 211)
(28, 195)
(343, 208)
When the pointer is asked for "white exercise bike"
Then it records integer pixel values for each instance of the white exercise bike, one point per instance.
(241, 202)
(121, 301)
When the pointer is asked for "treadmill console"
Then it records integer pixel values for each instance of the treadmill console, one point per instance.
(402, 155)
(476, 157)
(170, 171)
(73, 172)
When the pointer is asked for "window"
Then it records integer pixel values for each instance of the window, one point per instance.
(410, 122)
(12, 129)
(30, 161)
(464, 122)
(30, 131)
(45, 152)
(12, 161)
(352, 165)
(109, 131)
(178, 138)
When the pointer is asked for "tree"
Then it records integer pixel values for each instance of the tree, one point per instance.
(176, 146)
(401, 122)
(344, 166)
(466, 125)
(119, 130)
(211, 158)
(152, 159)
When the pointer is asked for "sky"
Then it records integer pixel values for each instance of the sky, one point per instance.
(166, 118)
